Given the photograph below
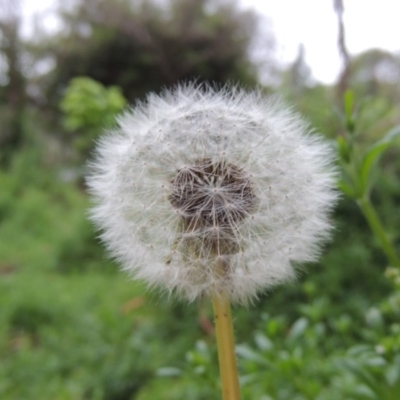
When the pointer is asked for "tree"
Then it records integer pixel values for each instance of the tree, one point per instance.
(144, 45)
(376, 72)
(13, 96)
(297, 78)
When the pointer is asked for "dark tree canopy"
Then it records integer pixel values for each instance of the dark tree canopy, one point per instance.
(142, 45)
(12, 83)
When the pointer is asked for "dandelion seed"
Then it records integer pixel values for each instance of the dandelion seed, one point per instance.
(204, 192)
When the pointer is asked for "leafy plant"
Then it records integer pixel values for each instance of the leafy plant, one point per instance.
(358, 167)
(89, 107)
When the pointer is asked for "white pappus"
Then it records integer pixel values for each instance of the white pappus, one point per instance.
(202, 191)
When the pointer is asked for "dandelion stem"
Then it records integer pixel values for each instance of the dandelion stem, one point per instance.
(378, 229)
(226, 348)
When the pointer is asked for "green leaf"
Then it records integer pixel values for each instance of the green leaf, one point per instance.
(364, 392)
(392, 134)
(361, 373)
(373, 154)
(248, 354)
(347, 189)
(368, 163)
(360, 349)
(263, 342)
(249, 378)
(298, 328)
(168, 371)
(343, 148)
(392, 374)
(376, 362)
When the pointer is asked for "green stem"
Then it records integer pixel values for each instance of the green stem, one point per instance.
(226, 348)
(377, 227)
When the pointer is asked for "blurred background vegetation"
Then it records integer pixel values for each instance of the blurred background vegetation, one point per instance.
(71, 325)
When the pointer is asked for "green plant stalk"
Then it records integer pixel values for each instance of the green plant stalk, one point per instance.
(226, 348)
(378, 229)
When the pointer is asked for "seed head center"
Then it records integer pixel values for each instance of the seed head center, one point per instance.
(212, 194)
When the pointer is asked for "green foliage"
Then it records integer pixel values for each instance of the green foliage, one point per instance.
(42, 215)
(89, 108)
(95, 334)
(89, 105)
(71, 328)
(358, 167)
(314, 356)
(52, 339)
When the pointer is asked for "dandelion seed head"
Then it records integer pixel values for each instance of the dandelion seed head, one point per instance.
(203, 192)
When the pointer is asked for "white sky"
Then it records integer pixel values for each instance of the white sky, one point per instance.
(368, 24)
